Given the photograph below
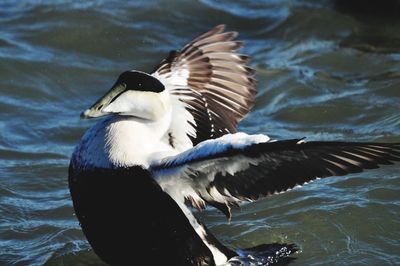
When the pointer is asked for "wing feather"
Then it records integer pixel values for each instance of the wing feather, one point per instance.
(240, 167)
(208, 77)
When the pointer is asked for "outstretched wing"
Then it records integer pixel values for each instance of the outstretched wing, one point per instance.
(211, 85)
(240, 167)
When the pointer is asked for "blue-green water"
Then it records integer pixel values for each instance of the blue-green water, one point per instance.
(323, 72)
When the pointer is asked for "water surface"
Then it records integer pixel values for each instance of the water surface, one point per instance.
(324, 72)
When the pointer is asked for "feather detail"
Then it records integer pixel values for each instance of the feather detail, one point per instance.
(212, 82)
(238, 167)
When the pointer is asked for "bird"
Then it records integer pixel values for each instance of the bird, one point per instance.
(166, 144)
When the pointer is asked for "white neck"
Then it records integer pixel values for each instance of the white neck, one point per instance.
(131, 141)
(122, 141)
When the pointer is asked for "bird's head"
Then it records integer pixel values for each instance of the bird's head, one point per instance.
(134, 94)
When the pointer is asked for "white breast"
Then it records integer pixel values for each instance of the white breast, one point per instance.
(123, 141)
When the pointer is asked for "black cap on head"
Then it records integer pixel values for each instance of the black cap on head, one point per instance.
(139, 81)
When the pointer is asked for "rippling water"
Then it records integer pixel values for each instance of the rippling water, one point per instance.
(325, 71)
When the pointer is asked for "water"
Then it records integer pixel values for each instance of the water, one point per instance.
(324, 72)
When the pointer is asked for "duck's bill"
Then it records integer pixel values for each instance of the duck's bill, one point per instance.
(97, 109)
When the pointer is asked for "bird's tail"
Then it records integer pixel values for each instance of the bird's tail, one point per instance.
(265, 254)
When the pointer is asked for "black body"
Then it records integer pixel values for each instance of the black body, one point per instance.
(126, 218)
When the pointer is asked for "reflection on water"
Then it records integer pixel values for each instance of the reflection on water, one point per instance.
(325, 71)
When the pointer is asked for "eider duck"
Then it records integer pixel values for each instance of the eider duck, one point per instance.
(168, 142)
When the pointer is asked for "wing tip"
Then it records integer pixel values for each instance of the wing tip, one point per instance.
(220, 27)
